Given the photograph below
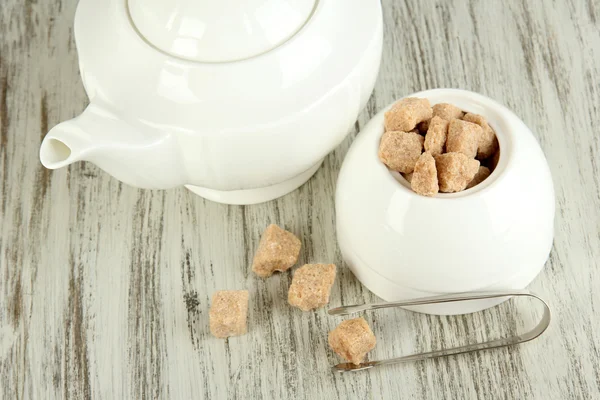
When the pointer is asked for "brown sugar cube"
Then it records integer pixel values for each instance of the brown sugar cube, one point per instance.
(408, 177)
(311, 286)
(424, 179)
(400, 150)
(488, 142)
(278, 250)
(463, 137)
(455, 171)
(447, 111)
(436, 136)
(228, 312)
(405, 114)
(479, 177)
(352, 340)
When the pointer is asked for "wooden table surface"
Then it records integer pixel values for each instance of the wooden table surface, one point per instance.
(104, 288)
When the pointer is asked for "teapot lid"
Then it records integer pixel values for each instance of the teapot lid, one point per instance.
(218, 31)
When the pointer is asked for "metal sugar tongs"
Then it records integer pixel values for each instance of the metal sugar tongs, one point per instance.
(522, 338)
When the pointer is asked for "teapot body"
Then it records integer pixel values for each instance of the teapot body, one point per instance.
(236, 126)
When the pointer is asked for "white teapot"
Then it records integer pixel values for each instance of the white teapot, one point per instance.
(238, 100)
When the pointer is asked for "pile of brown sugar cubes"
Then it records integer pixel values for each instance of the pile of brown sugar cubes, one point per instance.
(278, 250)
(439, 148)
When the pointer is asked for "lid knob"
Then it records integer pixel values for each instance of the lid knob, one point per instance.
(218, 31)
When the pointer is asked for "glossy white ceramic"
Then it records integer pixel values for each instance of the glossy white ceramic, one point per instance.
(240, 132)
(218, 31)
(497, 235)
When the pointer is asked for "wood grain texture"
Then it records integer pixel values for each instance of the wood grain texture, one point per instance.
(104, 289)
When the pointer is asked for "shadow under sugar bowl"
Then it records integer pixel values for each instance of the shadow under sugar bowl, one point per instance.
(496, 235)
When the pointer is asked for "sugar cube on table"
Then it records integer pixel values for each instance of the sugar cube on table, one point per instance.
(228, 313)
(311, 286)
(278, 250)
(352, 340)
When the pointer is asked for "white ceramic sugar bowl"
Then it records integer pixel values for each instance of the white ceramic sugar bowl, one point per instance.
(497, 235)
(238, 100)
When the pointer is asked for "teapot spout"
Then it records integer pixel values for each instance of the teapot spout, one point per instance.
(55, 153)
(137, 155)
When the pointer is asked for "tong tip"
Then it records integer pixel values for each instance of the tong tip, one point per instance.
(350, 367)
(336, 311)
(345, 310)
